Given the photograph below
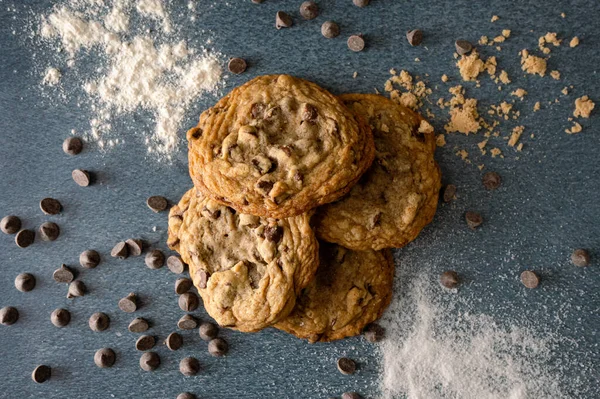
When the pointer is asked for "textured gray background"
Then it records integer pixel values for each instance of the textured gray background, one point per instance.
(548, 203)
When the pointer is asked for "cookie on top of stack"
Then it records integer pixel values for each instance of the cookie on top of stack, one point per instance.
(298, 196)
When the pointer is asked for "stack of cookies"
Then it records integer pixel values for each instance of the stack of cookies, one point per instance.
(298, 196)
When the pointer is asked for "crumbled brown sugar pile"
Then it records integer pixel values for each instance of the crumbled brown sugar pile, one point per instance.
(532, 64)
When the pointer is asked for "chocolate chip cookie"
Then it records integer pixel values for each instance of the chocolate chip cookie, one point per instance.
(248, 270)
(278, 146)
(351, 289)
(398, 195)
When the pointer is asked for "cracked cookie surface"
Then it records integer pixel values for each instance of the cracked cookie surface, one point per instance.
(278, 146)
(248, 270)
(350, 290)
(397, 197)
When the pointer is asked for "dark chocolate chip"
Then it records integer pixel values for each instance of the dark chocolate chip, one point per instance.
(188, 301)
(81, 177)
(10, 224)
(330, 29)
(155, 259)
(449, 193)
(49, 231)
(356, 43)
(580, 257)
(374, 332)
(89, 259)
(274, 233)
(208, 331)
(237, 65)
(99, 322)
(265, 185)
(189, 366)
(135, 246)
(129, 303)
(202, 278)
(309, 113)
(149, 361)
(145, 343)
(25, 238)
(530, 279)
(491, 180)
(174, 341)
(50, 206)
(346, 366)
(463, 46)
(41, 374)
(361, 3)
(474, 220)
(175, 264)
(309, 10)
(257, 110)
(351, 395)
(283, 20)
(183, 285)
(187, 322)
(298, 177)
(255, 2)
(9, 315)
(60, 317)
(104, 358)
(138, 325)
(72, 145)
(449, 279)
(188, 395)
(76, 289)
(414, 37)
(218, 347)
(157, 203)
(120, 250)
(25, 282)
(63, 274)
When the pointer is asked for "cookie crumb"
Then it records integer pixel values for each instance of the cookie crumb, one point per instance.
(563, 15)
(470, 66)
(495, 152)
(504, 77)
(354, 75)
(532, 64)
(576, 128)
(555, 75)
(444, 78)
(548, 38)
(583, 107)
(515, 135)
(483, 40)
(440, 140)
(536, 106)
(495, 18)
(464, 154)
(574, 42)
(565, 90)
(506, 33)
(519, 93)
(425, 127)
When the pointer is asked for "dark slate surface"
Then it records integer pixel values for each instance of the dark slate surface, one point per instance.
(546, 207)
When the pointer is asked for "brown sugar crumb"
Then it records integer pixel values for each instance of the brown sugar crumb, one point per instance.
(470, 66)
(482, 145)
(506, 33)
(504, 77)
(532, 64)
(499, 39)
(495, 152)
(576, 128)
(548, 38)
(490, 66)
(444, 78)
(519, 93)
(414, 91)
(537, 106)
(574, 42)
(583, 107)
(565, 90)
(464, 155)
(515, 135)
(464, 119)
(555, 75)
(440, 140)
(495, 18)
(483, 40)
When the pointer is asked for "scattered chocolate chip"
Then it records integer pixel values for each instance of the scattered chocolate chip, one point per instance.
(414, 37)
(580, 257)
(175, 264)
(104, 358)
(189, 366)
(60, 317)
(76, 289)
(72, 145)
(374, 332)
(155, 259)
(157, 203)
(25, 282)
(463, 46)
(356, 43)
(10, 224)
(174, 341)
(237, 65)
(188, 395)
(145, 343)
(138, 325)
(50, 206)
(81, 177)
(41, 374)
(309, 10)
(183, 285)
(129, 303)
(135, 246)
(351, 395)
(89, 259)
(208, 331)
(491, 180)
(449, 279)
(474, 220)
(99, 322)
(187, 322)
(255, 2)
(149, 361)
(120, 250)
(283, 20)
(202, 278)
(361, 3)
(9, 315)
(49, 231)
(274, 233)
(530, 279)
(330, 29)
(25, 238)
(346, 366)
(449, 193)
(63, 274)
(218, 347)
(188, 302)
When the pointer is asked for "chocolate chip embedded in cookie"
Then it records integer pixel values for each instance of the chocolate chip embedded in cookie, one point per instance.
(350, 290)
(398, 195)
(278, 146)
(248, 270)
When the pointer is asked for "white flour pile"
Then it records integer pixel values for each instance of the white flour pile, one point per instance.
(134, 70)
